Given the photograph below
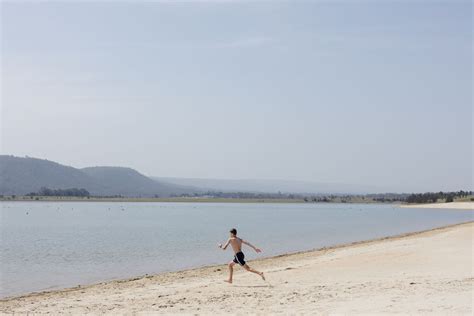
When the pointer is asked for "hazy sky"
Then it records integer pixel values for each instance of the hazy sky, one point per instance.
(349, 91)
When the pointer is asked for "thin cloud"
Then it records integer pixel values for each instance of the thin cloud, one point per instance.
(249, 42)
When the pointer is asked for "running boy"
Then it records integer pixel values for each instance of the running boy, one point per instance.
(236, 244)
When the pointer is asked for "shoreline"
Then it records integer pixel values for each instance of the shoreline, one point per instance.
(469, 206)
(207, 268)
(190, 200)
(464, 205)
(159, 200)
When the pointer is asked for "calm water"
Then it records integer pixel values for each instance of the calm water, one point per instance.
(53, 245)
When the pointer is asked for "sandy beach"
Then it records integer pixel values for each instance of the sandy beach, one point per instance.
(452, 205)
(426, 272)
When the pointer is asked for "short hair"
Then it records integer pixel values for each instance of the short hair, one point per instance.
(233, 231)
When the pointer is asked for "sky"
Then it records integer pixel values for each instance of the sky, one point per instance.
(359, 92)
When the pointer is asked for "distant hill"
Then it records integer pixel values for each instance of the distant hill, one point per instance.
(21, 176)
(129, 182)
(24, 175)
(269, 186)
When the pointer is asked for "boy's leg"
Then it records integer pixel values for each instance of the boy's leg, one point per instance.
(231, 271)
(249, 269)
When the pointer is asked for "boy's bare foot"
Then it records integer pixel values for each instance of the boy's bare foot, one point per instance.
(228, 281)
(263, 277)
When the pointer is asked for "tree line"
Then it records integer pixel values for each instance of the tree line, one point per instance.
(60, 192)
(433, 197)
(427, 197)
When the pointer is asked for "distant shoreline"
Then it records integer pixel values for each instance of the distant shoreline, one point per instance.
(460, 205)
(178, 200)
(170, 200)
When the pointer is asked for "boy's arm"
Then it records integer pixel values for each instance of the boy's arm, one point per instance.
(225, 246)
(252, 246)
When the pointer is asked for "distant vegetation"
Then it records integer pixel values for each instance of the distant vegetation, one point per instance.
(60, 192)
(428, 197)
(75, 194)
(334, 198)
(432, 197)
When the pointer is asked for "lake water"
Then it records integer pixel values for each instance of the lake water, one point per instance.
(50, 245)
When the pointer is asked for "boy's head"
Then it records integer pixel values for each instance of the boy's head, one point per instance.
(233, 232)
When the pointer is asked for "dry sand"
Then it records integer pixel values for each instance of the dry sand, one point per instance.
(452, 205)
(428, 272)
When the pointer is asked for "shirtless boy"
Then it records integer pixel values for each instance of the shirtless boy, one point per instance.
(236, 244)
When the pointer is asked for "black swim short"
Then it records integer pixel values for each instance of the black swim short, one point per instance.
(239, 258)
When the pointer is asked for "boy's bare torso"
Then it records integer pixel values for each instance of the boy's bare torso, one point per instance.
(236, 244)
